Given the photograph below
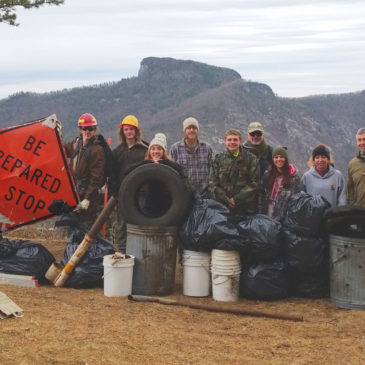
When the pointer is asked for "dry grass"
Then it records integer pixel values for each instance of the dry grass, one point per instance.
(71, 326)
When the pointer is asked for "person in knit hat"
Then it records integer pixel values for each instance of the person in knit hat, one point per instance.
(194, 155)
(157, 148)
(356, 173)
(257, 145)
(153, 197)
(323, 179)
(279, 183)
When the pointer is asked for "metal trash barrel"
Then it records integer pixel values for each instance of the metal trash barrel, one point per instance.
(347, 272)
(154, 249)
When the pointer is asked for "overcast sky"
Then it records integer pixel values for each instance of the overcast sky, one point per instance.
(298, 48)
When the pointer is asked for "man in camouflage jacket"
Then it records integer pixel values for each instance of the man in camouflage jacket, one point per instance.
(235, 175)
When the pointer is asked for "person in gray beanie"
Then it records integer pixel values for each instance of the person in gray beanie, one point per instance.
(279, 183)
(323, 179)
(194, 155)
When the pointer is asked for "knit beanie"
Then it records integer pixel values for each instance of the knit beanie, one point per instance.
(159, 140)
(280, 151)
(321, 150)
(190, 121)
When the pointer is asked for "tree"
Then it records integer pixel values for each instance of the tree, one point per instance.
(7, 8)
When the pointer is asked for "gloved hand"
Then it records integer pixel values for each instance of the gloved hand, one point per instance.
(83, 205)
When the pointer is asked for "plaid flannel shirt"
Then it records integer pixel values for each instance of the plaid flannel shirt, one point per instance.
(197, 163)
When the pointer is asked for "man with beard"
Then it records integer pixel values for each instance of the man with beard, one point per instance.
(257, 145)
(194, 155)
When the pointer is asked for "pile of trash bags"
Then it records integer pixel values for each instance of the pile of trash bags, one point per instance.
(89, 271)
(31, 258)
(278, 260)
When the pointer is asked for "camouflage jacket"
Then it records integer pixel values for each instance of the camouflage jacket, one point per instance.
(237, 178)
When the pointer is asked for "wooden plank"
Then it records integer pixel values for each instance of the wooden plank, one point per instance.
(19, 280)
(16, 276)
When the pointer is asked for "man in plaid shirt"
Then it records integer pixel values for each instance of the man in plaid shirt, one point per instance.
(195, 156)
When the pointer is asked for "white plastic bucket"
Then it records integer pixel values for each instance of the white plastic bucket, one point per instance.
(118, 275)
(196, 274)
(226, 269)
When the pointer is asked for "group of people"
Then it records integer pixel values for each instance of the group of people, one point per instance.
(248, 177)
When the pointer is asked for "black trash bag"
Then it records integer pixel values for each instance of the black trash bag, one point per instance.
(207, 223)
(304, 253)
(233, 244)
(7, 248)
(263, 236)
(69, 220)
(266, 281)
(89, 271)
(305, 214)
(59, 207)
(314, 285)
(29, 258)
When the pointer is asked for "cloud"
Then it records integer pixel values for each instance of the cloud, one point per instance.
(296, 47)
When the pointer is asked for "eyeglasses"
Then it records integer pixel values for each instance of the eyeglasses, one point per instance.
(256, 134)
(88, 129)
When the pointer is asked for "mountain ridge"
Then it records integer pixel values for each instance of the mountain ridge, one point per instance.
(166, 91)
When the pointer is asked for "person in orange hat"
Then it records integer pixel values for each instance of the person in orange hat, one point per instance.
(87, 161)
(131, 149)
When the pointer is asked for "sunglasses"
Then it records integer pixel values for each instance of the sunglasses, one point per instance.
(88, 129)
(256, 134)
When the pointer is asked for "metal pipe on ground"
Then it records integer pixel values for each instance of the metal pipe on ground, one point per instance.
(220, 309)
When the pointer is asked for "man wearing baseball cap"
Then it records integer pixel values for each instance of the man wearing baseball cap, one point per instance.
(194, 155)
(257, 145)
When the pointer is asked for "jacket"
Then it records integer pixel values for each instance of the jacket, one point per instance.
(237, 178)
(331, 186)
(124, 156)
(356, 181)
(87, 166)
(273, 200)
(263, 152)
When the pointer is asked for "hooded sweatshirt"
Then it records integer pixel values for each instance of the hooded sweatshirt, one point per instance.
(331, 186)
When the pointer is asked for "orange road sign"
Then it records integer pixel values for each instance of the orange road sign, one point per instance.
(34, 171)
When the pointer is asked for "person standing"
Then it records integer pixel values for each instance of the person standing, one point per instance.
(323, 179)
(194, 155)
(88, 161)
(278, 184)
(130, 150)
(257, 145)
(356, 173)
(235, 175)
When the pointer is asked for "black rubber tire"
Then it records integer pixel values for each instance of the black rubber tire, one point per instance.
(180, 197)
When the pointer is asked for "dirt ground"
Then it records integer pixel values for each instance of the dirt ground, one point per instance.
(82, 326)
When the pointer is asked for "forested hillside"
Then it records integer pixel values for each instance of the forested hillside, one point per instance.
(167, 90)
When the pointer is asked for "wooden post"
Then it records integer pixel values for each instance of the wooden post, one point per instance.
(86, 242)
